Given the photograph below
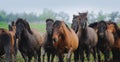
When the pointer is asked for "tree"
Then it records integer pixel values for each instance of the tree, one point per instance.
(63, 16)
(114, 15)
(100, 16)
(47, 14)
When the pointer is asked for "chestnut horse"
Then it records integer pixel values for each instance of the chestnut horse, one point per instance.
(5, 39)
(30, 41)
(105, 40)
(12, 31)
(65, 40)
(48, 45)
(87, 37)
(113, 27)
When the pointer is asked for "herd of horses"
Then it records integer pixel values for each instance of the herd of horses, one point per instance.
(80, 39)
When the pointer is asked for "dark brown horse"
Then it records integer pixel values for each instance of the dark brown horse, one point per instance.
(87, 37)
(113, 27)
(5, 39)
(105, 40)
(29, 42)
(48, 45)
(65, 40)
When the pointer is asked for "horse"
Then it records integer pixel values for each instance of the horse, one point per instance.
(12, 31)
(48, 45)
(65, 40)
(5, 39)
(113, 27)
(87, 37)
(105, 40)
(29, 41)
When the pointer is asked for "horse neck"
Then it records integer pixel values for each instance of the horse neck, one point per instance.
(66, 31)
(49, 37)
(24, 34)
(84, 32)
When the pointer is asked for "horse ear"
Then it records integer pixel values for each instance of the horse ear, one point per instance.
(74, 15)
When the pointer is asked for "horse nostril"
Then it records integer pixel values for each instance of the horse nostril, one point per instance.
(55, 40)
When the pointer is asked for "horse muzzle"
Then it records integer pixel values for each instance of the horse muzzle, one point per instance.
(55, 40)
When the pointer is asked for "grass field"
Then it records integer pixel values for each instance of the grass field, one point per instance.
(40, 27)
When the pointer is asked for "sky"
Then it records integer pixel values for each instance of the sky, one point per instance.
(69, 6)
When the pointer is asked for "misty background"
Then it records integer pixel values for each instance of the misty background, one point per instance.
(40, 10)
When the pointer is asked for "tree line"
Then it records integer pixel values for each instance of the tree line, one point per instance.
(47, 13)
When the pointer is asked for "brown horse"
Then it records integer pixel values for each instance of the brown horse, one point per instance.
(65, 40)
(12, 31)
(113, 27)
(87, 37)
(30, 41)
(48, 45)
(105, 40)
(5, 39)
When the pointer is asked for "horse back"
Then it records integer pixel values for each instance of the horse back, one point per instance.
(110, 37)
(92, 36)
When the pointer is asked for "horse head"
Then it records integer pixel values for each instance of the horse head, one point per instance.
(49, 26)
(21, 26)
(102, 27)
(57, 30)
(75, 23)
(83, 20)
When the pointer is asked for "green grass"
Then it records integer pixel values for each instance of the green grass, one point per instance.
(3, 25)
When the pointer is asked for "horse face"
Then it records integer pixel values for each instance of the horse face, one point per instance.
(19, 29)
(49, 26)
(75, 24)
(102, 27)
(83, 20)
(111, 27)
(57, 31)
(83, 23)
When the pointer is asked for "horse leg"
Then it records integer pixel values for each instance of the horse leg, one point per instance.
(60, 56)
(98, 53)
(53, 55)
(69, 55)
(15, 48)
(48, 56)
(82, 55)
(43, 54)
(106, 55)
(94, 54)
(24, 57)
(29, 58)
(7, 51)
(39, 54)
(88, 54)
(76, 55)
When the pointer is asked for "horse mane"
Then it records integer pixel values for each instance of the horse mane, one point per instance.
(20, 20)
(102, 21)
(116, 27)
(93, 24)
(58, 23)
(49, 20)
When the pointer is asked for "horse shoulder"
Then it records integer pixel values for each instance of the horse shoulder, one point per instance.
(92, 35)
(110, 37)
(38, 37)
(74, 39)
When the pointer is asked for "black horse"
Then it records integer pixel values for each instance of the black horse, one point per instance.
(48, 45)
(29, 41)
(105, 40)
